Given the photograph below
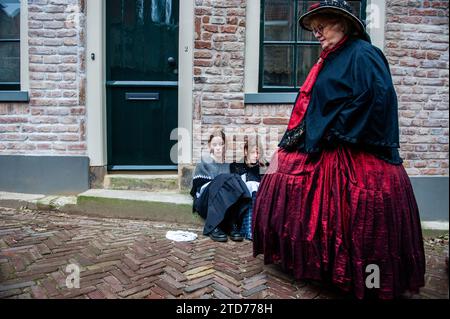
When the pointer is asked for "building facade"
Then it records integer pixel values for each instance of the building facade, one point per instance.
(88, 87)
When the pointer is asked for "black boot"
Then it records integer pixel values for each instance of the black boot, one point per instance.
(235, 234)
(218, 235)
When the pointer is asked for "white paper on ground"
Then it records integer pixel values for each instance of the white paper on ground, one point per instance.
(180, 235)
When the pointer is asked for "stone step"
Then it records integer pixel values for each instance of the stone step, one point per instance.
(140, 182)
(155, 206)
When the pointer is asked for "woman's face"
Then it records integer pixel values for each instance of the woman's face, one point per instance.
(253, 155)
(328, 32)
(217, 147)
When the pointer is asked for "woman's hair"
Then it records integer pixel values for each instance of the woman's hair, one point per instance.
(217, 133)
(249, 144)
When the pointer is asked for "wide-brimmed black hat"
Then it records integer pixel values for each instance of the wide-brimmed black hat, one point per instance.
(334, 7)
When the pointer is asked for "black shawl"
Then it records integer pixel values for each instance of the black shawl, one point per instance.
(252, 173)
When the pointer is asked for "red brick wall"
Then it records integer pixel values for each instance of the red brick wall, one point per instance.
(218, 66)
(417, 47)
(53, 122)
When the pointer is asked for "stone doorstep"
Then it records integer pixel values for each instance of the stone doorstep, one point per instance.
(154, 206)
(141, 182)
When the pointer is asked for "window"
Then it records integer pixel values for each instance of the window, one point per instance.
(287, 51)
(10, 45)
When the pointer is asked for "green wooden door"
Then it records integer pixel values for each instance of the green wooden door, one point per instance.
(142, 82)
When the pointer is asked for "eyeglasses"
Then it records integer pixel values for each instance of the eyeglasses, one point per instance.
(319, 29)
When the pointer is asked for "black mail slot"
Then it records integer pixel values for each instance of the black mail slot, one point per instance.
(142, 96)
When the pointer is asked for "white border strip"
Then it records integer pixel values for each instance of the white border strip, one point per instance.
(24, 54)
(252, 45)
(95, 77)
(185, 78)
(376, 20)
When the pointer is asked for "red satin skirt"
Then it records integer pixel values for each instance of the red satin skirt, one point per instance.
(341, 216)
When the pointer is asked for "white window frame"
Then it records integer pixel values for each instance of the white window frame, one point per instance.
(24, 55)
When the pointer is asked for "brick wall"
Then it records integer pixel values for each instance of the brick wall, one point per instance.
(218, 66)
(417, 47)
(53, 122)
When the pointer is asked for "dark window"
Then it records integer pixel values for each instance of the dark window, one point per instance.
(10, 45)
(287, 51)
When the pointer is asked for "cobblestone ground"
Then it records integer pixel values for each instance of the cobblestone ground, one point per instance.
(133, 259)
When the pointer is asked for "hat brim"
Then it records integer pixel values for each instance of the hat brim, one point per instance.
(306, 18)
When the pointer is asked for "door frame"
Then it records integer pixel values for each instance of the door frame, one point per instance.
(96, 126)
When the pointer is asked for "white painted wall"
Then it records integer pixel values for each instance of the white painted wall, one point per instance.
(186, 85)
(252, 44)
(95, 89)
(376, 20)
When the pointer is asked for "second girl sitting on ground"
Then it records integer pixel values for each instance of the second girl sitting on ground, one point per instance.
(250, 171)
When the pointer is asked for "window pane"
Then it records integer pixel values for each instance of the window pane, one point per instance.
(279, 25)
(140, 37)
(304, 35)
(307, 55)
(10, 61)
(356, 6)
(9, 19)
(279, 20)
(278, 65)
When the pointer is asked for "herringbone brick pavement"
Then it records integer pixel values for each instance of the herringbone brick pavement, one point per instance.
(133, 259)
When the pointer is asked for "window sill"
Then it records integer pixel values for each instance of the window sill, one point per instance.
(270, 98)
(14, 96)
